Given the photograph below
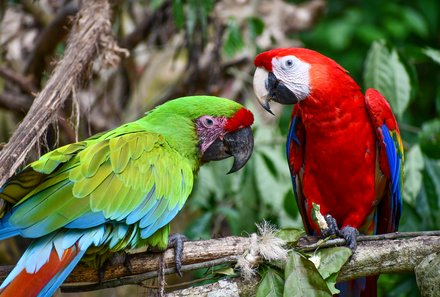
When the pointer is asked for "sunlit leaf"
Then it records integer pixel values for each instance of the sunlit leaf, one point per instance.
(433, 54)
(271, 284)
(414, 165)
(229, 271)
(303, 279)
(331, 262)
(290, 235)
(385, 72)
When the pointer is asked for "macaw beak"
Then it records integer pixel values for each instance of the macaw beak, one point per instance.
(238, 144)
(267, 87)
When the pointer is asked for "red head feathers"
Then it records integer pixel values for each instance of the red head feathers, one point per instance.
(242, 118)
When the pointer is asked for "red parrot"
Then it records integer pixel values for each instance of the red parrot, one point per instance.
(344, 149)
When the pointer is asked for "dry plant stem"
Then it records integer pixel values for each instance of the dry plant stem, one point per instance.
(400, 252)
(83, 45)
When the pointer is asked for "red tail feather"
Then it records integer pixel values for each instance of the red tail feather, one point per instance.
(30, 284)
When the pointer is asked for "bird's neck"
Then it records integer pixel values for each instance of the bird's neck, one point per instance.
(334, 107)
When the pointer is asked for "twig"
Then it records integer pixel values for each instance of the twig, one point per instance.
(92, 24)
(15, 102)
(24, 83)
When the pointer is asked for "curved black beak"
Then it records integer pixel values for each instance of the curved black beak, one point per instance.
(273, 90)
(238, 144)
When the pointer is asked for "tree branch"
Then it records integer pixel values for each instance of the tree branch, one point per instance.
(390, 253)
(91, 28)
(24, 83)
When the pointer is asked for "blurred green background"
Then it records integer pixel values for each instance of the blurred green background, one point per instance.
(185, 47)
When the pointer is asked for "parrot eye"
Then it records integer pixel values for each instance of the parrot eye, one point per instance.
(209, 122)
(289, 63)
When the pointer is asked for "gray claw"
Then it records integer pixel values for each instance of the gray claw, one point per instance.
(332, 227)
(350, 235)
(176, 241)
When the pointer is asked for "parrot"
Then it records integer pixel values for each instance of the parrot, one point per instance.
(344, 149)
(117, 190)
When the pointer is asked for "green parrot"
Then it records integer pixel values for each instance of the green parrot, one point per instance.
(117, 190)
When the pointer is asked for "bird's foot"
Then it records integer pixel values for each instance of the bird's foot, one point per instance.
(349, 233)
(101, 272)
(176, 241)
(332, 227)
(120, 258)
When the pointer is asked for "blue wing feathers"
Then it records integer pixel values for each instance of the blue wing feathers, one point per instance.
(395, 165)
(88, 220)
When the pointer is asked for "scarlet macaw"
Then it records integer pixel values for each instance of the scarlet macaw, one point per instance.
(344, 149)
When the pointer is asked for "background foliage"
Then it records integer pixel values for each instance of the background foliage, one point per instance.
(184, 47)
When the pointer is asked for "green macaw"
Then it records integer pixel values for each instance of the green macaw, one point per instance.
(117, 190)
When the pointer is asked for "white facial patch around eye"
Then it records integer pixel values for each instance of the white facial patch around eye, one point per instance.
(294, 73)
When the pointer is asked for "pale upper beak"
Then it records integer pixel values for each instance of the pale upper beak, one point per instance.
(268, 88)
(261, 88)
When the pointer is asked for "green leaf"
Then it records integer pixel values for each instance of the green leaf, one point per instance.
(433, 170)
(178, 13)
(234, 39)
(331, 262)
(303, 279)
(155, 4)
(433, 54)
(429, 139)
(430, 193)
(229, 271)
(290, 235)
(413, 174)
(385, 72)
(271, 285)
(256, 27)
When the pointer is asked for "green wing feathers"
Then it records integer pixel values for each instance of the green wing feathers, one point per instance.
(114, 174)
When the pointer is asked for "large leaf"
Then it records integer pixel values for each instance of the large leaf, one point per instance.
(385, 72)
(290, 235)
(271, 285)
(331, 262)
(234, 39)
(303, 279)
(414, 165)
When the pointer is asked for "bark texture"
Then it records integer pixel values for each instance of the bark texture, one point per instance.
(89, 37)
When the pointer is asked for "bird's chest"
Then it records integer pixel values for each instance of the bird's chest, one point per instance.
(339, 170)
